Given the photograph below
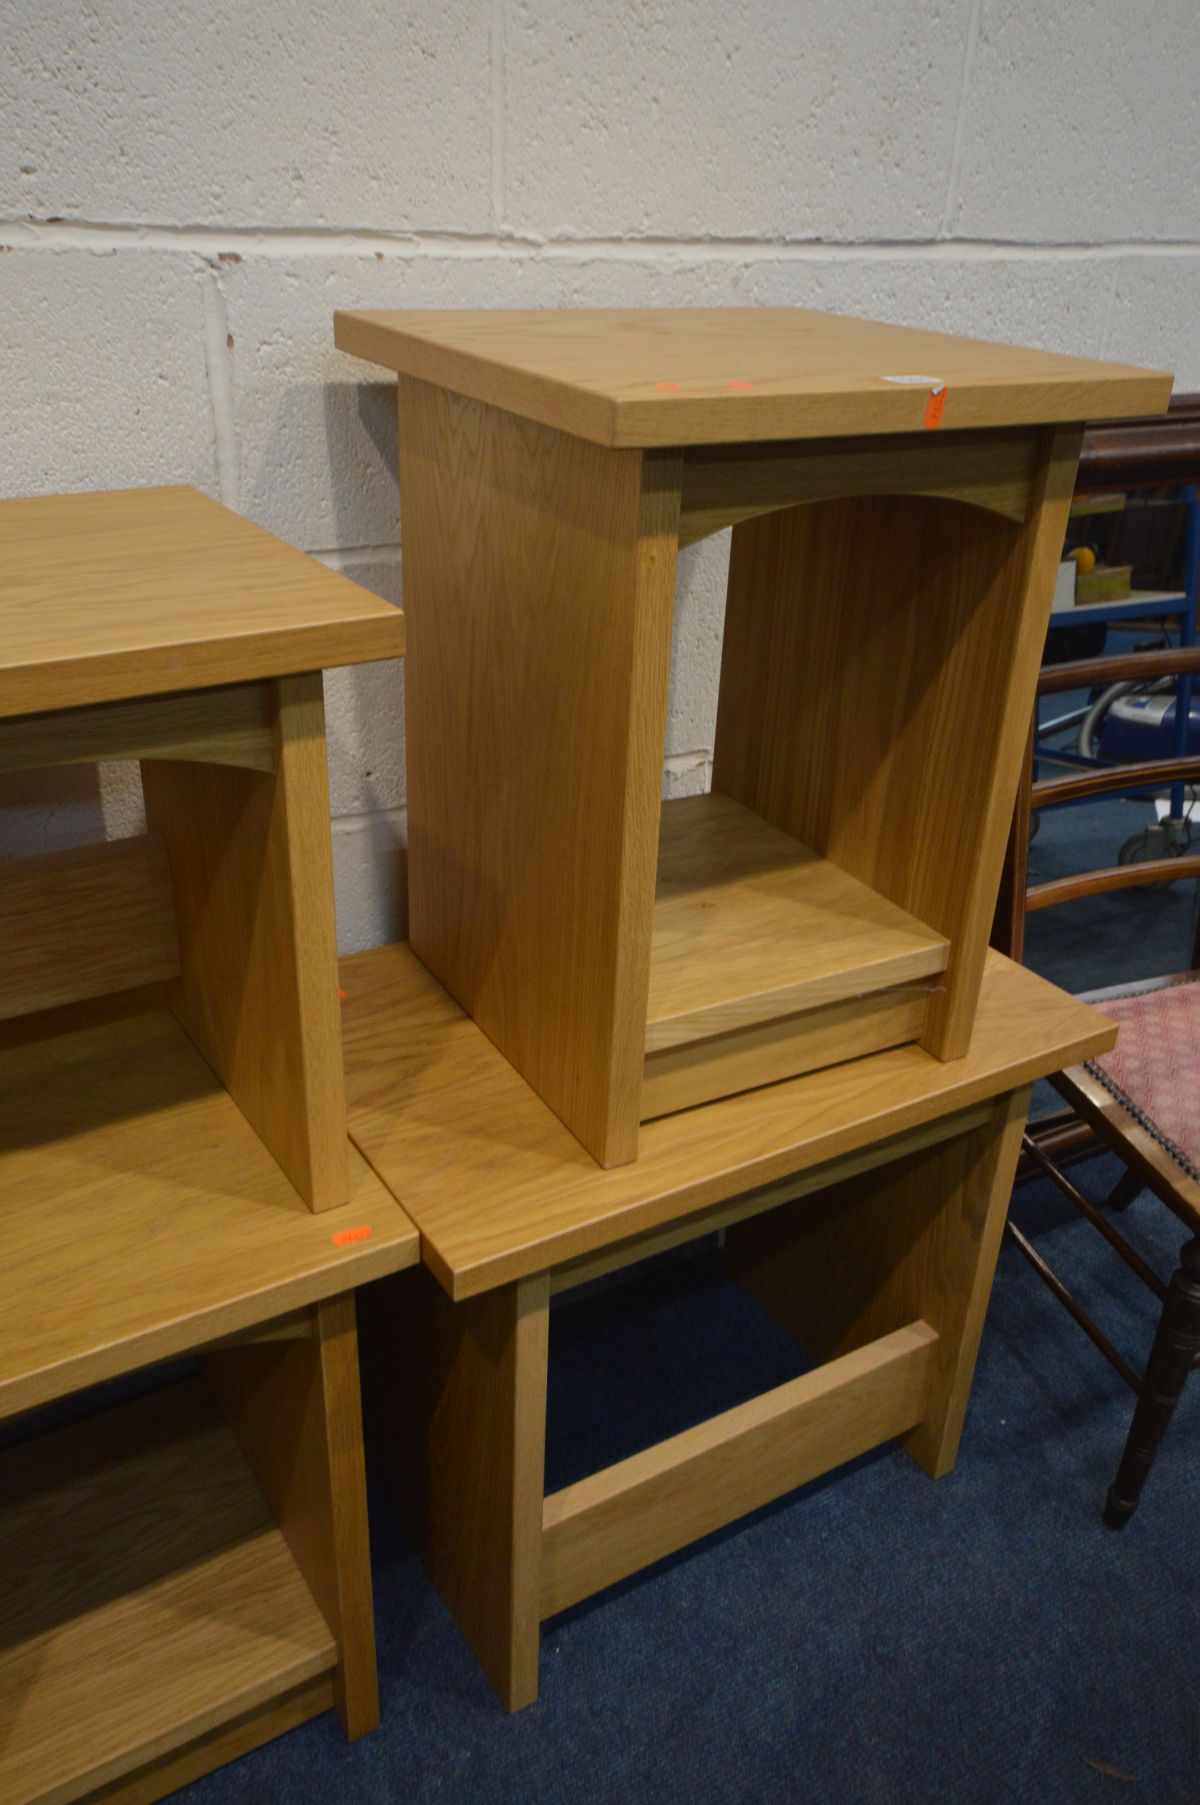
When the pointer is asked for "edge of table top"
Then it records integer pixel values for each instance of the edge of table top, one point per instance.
(640, 383)
(499, 1189)
(113, 594)
(139, 1205)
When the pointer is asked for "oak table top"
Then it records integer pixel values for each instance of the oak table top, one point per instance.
(138, 592)
(704, 375)
(499, 1188)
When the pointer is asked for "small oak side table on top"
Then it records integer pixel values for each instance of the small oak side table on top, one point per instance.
(186, 1574)
(898, 501)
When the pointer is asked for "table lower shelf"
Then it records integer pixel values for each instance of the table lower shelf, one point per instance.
(149, 1600)
(767, 960)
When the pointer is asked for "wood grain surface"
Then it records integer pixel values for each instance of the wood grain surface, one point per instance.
(85, 922)
(226, 1743)
(136, 591)
(619, 1520)
(749, 925)
(699, 1071)
(539, 585)
(877, 680)
(252, 871)
(499, 1188)
(457, 1400)
(148, 1596)
(683, 376)
(228, 726)
(856, 1261)
(295, 1411)
(143, 1214)
(723, 484)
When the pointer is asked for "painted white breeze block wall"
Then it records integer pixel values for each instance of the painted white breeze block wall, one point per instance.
(188, 190)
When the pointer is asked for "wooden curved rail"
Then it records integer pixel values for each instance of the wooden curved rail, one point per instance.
(1162, 449)
(1113, 454)
(1110, 877)
(1139, 667)
(1156, 772)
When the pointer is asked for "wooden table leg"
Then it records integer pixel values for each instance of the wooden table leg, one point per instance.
(918, 1238)
(457, 1400)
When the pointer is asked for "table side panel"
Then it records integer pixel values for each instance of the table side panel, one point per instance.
(539, 585)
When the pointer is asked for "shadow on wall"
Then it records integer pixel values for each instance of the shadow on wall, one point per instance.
(318, 463)
(63, 806)
(375, 411)
(371, 888)
(362, 472)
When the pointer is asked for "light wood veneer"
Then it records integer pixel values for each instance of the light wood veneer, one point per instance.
(696, 375)
(141, 1216)
(892, 566)
(149, 1597)
(500, 1189)
(134, 592)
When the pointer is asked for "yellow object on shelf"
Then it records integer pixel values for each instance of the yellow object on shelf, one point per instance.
(1111, 583)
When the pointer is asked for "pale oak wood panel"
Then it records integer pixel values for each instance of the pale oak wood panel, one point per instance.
(294, 1408)
(680, 1077)
(1018, 650)
(620, 1520)
(219, 1746)
(252, 868)
(133, 592)
(144, 1214)
(858, 1260)
(85, 922)
(148, 1596)
(230, 726)
(768, 1197)
(683, 376)
(749, 924)
(456, 1394)
(539, 578)
(725, 484)
(876, 684)
(499, 1188)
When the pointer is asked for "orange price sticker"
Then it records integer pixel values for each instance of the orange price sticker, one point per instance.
(739, 382)
(667, 388)
(345, 1236)
(935, 406)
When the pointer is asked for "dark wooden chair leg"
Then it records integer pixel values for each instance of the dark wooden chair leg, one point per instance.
(1176, 1345)
(1123, 1193)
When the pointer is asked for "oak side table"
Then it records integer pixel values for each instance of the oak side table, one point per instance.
(862, 1204)
(898, 501)
(186, 1574)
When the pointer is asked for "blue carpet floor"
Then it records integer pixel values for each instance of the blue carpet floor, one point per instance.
(875, 1638)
